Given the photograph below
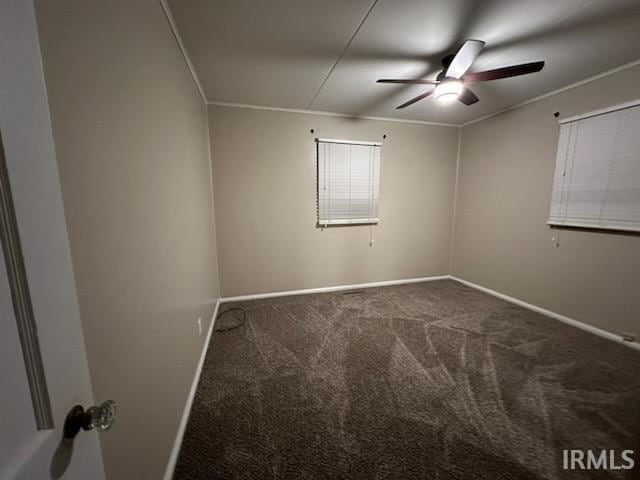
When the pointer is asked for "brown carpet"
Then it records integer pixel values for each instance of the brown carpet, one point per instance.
(431, 380)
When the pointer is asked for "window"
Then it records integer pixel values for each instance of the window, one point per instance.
(348, 182)
(597, 177)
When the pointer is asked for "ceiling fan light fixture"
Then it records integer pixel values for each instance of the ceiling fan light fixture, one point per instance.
(448, 91)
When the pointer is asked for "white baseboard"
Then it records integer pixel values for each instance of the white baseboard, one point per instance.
(549, 313)
(175, 451)
(337, 288)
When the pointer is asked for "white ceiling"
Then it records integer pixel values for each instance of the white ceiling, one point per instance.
(280, 53)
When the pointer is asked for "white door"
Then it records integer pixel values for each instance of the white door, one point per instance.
(31, 446)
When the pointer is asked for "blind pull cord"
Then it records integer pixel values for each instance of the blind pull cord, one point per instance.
(556, 237)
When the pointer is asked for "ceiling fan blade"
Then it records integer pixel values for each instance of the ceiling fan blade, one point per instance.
(415, 99)
(417, 81)
(468, 97)
(464, 58)
(504, 72)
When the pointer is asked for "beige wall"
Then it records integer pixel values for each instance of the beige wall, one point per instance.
(504, 192)
(132, 146)
(264, 168)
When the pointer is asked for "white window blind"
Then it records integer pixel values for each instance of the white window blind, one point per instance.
(597, 176)
(348, 182)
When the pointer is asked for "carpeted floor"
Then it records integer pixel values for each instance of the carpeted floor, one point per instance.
(431, 380)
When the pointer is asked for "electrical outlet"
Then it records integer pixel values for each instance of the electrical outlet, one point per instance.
(200, 326)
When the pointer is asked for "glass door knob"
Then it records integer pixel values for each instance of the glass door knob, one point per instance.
(103, 416)
(100, 418)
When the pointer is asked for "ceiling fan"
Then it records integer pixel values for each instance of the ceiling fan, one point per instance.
(452, 82)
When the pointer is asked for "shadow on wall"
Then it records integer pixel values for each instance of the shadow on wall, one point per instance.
(61, 459)
(559, 228)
